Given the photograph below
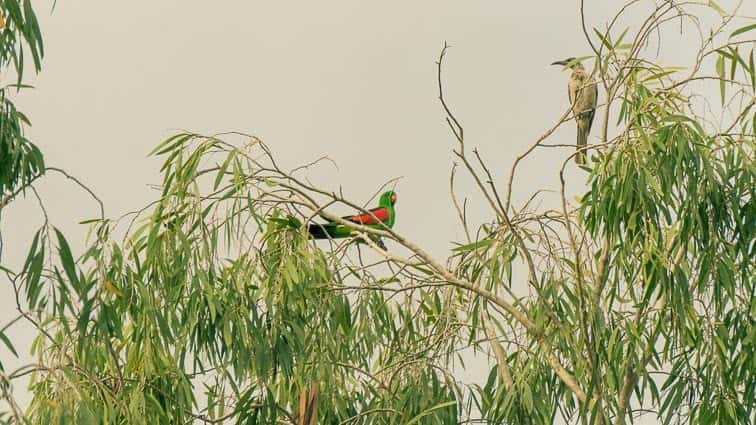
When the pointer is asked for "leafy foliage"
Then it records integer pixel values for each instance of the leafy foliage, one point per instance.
(210, 304)
(190, 292)
(21, 160)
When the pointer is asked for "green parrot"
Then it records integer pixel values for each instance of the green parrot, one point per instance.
(384, 214)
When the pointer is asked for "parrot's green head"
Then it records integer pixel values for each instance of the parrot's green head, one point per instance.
(388, 198)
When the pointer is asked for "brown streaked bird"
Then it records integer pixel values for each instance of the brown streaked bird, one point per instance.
(582, 91)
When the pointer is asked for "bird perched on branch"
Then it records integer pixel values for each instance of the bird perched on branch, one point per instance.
(583, 93)
(380, 217)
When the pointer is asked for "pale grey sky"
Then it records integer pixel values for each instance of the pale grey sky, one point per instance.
(352, 80)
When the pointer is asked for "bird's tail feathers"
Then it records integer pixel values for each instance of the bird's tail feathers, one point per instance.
(582, 141)
(321, 231)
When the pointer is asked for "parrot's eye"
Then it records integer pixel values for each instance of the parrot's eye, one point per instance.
(393, 198)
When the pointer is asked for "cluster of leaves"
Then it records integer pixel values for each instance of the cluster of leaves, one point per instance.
(221, 290)
(211, 304)
(649, 294)
(19, 32)
(20, 160)
(673, 200)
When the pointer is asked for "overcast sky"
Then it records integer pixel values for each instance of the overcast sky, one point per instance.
(349, 79)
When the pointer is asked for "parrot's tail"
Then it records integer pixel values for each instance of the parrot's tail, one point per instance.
(321, 231)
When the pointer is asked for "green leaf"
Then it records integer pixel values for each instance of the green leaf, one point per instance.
(83, 321)
(721, 73)
(473, 246)
(427, 412)
(33, 36)
(32, 250)
(742, 30)
(603, 39)
(84, 416)
(659, 75)
(527, 397)
(33, 277)
(620, 38)
(752, 70)
(717, 8)
(170, 144)
(734, 64)
(8, 343)
(222, 170)
(66, 259)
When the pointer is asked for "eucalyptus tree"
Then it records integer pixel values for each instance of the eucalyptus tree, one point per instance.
(211, 305)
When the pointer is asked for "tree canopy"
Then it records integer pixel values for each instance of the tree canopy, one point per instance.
(212, 305)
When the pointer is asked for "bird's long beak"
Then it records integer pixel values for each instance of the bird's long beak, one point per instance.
(564, 62)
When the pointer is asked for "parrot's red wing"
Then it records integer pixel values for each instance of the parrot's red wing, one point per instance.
(380, 213)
